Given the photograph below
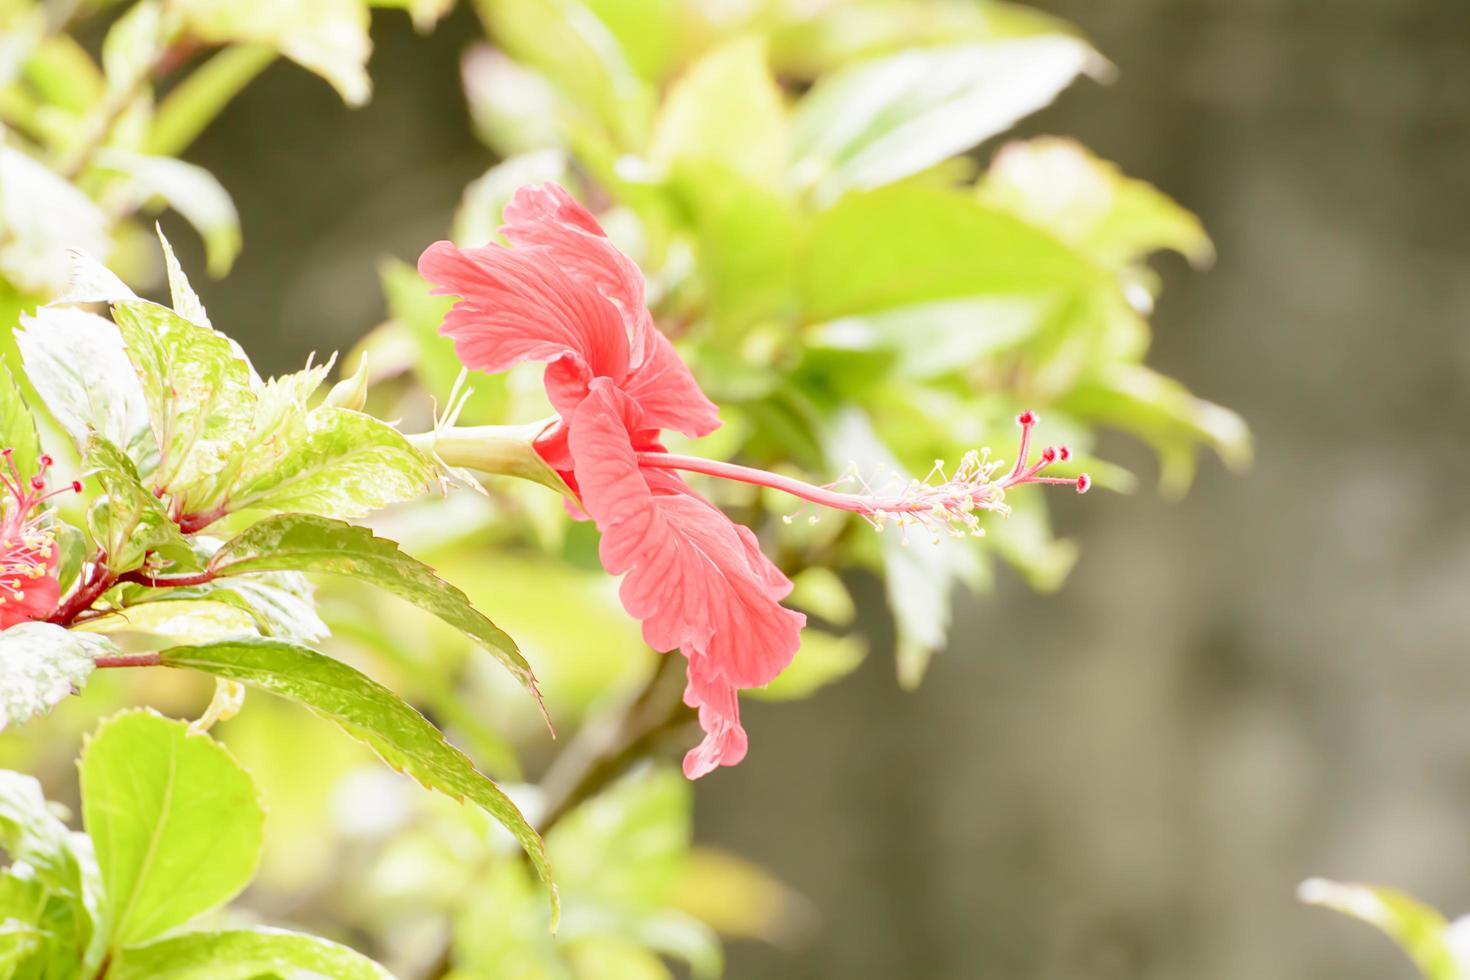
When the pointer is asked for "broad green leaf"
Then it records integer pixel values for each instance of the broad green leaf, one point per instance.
(17, 428)
(329, 37)
(1059, 185)
(574, 49)
(43, 216)
(299, 542)
(929, 340)
(881, 121)
(1419, 930)
(1163, 413)
(812, 40)
(244, 954)
(647, 31)
(77, 364)
(909, 244)
(625, 846)
(128, 521)
(176, 822)
(371, 713)
(332, 462)
(190, 190)
(727, 110)
(44, 663)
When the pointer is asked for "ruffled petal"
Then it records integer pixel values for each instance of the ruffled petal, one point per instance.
(549, 218)
(697, 581)
(725, 741)
(518, 305)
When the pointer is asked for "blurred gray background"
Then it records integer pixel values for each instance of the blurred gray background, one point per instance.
(1265, 681)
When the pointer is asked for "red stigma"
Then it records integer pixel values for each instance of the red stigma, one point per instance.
(1026, 418)
(1084, 482)
(76, 486)
(1049, 455)
(1063, 453)
(37, 483)
(47, 461)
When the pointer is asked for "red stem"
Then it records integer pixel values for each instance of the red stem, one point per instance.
(139, 577)
(98, 582)
(131, 660)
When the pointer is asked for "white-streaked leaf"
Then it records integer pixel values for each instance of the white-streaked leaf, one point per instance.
(42, 664)
(880, 121)
(190, 190)
(43, 217)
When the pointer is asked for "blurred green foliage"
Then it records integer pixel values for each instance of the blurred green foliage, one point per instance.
(859, 291)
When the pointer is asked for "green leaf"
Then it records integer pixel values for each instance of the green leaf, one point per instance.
(181, 294)
(726, 109)
(176, 822)
(910, 244)
(190, 190)
(332, 462)
(329, 37)
(1163, 413)
(577, 53)
(198, 386)
(1059, 185)
(244, 954)
(1419, 930)
(77, 364)
(44, 663)
(32, 834)
(301, 542)
(514, 109)
(128, 521)
(881, 121)
(372, 714)
(280, 604)
(17, 428)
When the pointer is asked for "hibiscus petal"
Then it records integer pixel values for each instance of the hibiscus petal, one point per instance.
(549, 218)
(725, 741)
(697, 581)
(518, 305)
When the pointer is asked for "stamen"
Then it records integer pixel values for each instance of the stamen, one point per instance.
(939, 503)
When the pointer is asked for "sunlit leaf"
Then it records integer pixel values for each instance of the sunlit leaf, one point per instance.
(17, 428)
(190, 190)
(299, 542)
(128, 521)
(329, 37)
(243, 954)
(371, 713)
(176, 823)
(1087, 202)
(881, 121)
(77, 363)
(1419, 930)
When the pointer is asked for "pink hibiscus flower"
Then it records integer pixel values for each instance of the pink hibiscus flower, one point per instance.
(29, 589)
(565, 295)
